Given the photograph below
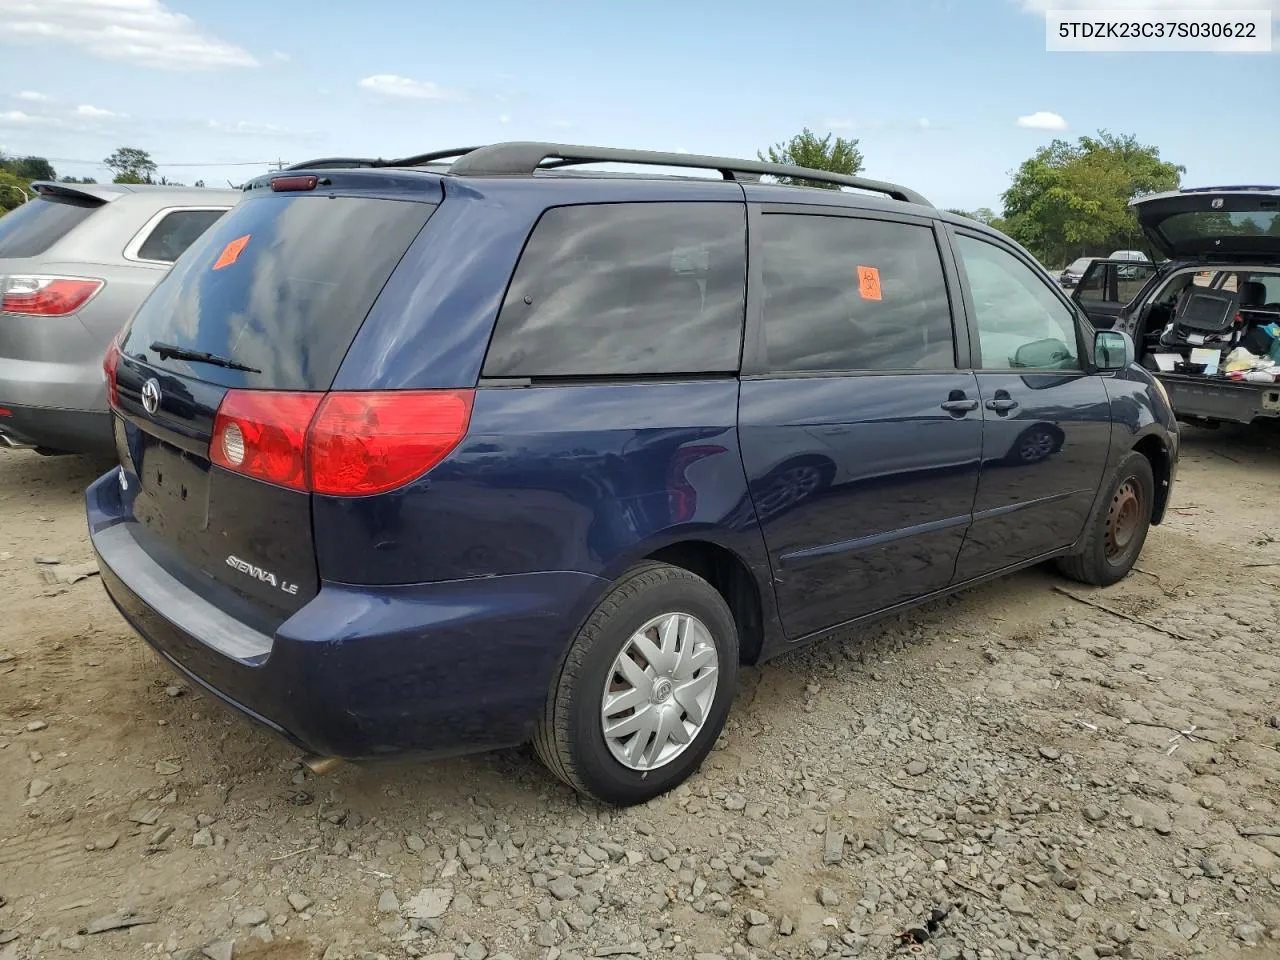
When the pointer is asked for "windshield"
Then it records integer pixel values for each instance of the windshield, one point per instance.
(1079, 266)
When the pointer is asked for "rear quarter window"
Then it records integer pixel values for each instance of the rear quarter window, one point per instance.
(169, 238)
(38, 224)
(626, 289)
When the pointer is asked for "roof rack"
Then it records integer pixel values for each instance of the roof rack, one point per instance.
(335, 163)
(432, 157)
(518, 159)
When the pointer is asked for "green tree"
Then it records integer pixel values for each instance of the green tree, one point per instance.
(807, 149)
(14, 191)
(982, 214)
(1071, 200)
(131, 165)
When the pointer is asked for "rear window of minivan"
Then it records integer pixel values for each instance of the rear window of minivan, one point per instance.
(280, 284)
(38, 224)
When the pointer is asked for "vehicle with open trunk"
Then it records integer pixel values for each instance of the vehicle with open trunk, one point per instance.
(1206, 321)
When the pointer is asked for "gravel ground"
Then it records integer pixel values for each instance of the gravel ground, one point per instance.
(1028, 770)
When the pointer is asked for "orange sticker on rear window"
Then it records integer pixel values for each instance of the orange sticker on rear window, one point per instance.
(231, 252)
(869, 283)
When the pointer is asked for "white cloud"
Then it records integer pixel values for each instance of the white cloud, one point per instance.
(391, 85)
(18, 117)
(923, 123)
(96, 113)
(279, 56)
(838, 123)
(504, 118)
(145, 32)
(32, 96)
(1042, 120)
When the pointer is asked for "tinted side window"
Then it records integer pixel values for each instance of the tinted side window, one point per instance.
(626, 288)
(851, 294)
(38, 224)
(1021, 324)
(177, 231)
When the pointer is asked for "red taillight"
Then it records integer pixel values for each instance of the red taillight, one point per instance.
(339, 444)
(285, 184)
(364, 443)
(264, 435)
(111, 367)
(47, 296)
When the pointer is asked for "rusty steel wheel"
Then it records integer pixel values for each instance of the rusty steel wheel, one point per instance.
(1124, 518)
(1117, 528)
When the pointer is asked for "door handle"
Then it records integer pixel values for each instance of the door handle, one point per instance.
(959, 406)
(1002, 404)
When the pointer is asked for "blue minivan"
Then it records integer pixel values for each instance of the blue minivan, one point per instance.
(480, 447)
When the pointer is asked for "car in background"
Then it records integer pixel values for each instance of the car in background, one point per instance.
(1127, 255)
(75, 263)
(431, 461)
(1073, 271)
(1221, 248)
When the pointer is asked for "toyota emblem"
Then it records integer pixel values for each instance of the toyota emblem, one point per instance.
(151, 395)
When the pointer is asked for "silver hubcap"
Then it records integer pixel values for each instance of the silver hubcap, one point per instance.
(659, 692)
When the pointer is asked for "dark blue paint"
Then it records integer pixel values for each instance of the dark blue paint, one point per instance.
(864, 485)
(1042, 463)
(431, 619)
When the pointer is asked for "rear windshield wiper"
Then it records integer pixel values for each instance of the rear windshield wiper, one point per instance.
(167, 350)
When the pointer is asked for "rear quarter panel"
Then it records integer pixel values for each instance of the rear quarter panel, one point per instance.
(586, 478)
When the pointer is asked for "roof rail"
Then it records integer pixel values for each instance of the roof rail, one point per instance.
(520, 158)
(424, 158)
(334, 163)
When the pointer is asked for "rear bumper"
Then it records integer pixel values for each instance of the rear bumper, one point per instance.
(360, 672)
(1225, 400)
(70, 431)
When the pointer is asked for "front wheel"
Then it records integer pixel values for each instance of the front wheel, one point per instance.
(1118, 527)
(645, 688)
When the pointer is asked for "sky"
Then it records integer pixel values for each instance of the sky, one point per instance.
(945, 96)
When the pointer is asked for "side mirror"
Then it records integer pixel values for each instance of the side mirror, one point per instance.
(1113, 350)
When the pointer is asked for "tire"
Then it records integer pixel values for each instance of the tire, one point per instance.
(1118, 528)
(570, 738)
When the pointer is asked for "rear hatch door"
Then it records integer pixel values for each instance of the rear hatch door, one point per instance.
(1213, 222)
(272, 297)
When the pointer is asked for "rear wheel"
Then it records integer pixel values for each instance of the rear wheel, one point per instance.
(1117, 530)
(645, 688)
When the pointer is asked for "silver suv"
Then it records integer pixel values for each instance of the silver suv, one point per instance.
(75, 262)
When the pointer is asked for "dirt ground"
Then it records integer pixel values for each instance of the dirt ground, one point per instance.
(1073, 774)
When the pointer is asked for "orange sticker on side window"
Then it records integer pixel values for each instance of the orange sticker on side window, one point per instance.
(231, 252)
(869, 283)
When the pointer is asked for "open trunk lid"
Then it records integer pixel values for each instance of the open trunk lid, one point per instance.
(1213, 222)
(271, 298)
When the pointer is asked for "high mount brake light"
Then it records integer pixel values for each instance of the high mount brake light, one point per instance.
(46, 296)
(347, 444)
(288, 184)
